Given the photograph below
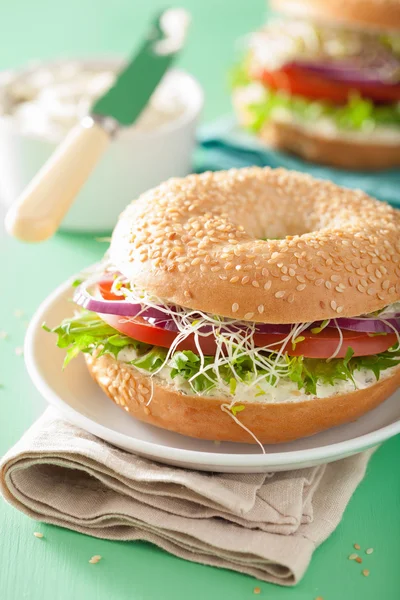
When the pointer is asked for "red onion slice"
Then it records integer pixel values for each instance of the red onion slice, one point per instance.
(159, 318)
(122, 308)
(370, 325)
(385, 74)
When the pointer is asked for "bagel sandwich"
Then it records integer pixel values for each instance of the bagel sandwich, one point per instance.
(251, 305)
(322, 80)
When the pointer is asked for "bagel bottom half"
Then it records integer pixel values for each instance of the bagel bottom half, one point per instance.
(202, 417)
(336, 152)
(341, 152)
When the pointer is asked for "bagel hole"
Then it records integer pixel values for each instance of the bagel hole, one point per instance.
(277, 226)
(279, 231)
(274, 217)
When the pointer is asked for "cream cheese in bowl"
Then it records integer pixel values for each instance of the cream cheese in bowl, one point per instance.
(49, 100)
(39, 105)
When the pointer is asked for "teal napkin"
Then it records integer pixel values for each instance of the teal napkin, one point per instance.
(222, 145)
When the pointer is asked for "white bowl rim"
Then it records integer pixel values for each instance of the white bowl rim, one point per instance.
(322, 453)
(194, 101)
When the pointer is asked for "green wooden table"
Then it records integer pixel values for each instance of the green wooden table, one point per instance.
(56, 567)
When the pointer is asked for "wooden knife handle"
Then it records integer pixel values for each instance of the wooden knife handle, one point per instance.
(38, 212)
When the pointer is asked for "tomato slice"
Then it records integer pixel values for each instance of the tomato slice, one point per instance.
(142, 331)
(299, 81)
(321, 345)
(325, 343)
(105, 291)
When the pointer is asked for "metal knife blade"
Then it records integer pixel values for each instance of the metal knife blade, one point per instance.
(135, 83)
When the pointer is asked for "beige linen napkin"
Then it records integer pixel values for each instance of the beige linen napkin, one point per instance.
(265, 525)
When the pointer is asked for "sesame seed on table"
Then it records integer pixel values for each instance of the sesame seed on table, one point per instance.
(56, 567)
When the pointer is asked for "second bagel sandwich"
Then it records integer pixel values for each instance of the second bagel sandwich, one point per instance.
(251, 305)
(322, 80)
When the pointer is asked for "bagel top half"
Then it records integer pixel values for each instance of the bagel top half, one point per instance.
(261, 245)
(374, 14)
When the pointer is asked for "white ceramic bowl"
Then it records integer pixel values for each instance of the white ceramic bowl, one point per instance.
(134, 162)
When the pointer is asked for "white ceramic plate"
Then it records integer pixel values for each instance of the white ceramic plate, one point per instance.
(83, 403)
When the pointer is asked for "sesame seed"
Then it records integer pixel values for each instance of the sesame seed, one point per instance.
(248, 316)
(365, 572)
(301, 287)
(255, 284)
(333, 305)
(257, 590)
(260, 309)
(328, 285)
(235, 307)
(358, 559)
(234, 279)
(245, 280)
(353, 556)
(37, 534)
(267, 285)
(279, 294)
(369, 551)
(357, 546)
(95, 559)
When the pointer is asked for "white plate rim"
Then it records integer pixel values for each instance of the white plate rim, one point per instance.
(181, 455)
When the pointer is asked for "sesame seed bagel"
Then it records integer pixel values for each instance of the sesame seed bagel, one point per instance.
(377, 14)
(202, 416)
(199, 242)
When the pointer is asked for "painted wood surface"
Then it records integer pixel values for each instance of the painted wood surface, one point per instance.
(56, 567)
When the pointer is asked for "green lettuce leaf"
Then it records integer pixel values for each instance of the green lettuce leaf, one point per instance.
(86, 332)
(151, 360)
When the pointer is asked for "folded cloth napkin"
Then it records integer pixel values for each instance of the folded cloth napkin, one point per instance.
(265, 525)
(223, 145)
